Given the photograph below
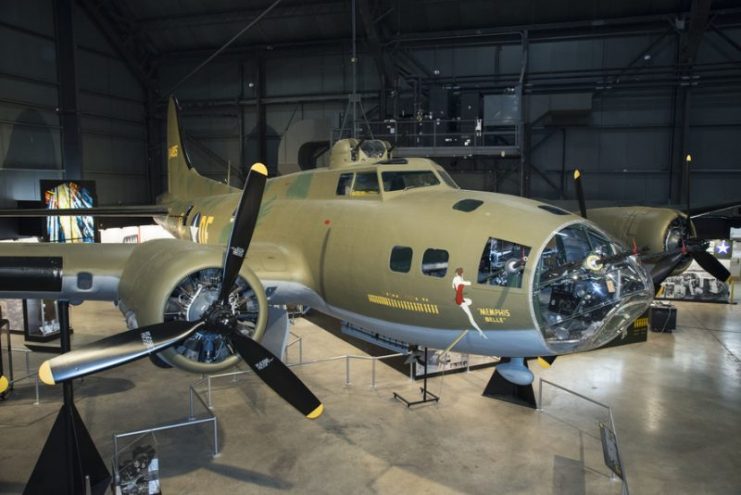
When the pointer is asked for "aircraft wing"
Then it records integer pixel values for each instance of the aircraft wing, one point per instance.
(706, 210)
(75, 272)
(98, 211)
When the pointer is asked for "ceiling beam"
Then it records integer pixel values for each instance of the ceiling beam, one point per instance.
(698, 22)
(135, 55)
(303, 9)
(385, 66)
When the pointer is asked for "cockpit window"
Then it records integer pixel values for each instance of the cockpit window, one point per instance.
(365, 183)
(435, 262)
(502, 263)
(447, 179)
(344, 184)
(373, 148)
(401, 181)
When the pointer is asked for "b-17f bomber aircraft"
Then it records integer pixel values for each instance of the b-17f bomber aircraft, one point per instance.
(392, 246)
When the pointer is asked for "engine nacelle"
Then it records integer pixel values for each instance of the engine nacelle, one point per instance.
(169, 279)
(654, 230)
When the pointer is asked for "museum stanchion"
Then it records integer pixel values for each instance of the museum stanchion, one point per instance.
(502, 389)
(6, 384)
(80, 469)
(427, 396)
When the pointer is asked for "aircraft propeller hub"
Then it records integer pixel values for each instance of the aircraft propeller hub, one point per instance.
(221, 319)
(196, 297)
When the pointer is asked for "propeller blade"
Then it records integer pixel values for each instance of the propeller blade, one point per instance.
(115, 350)
(580, 193)
(277, 376)
(546, 361)
(665, 266)
(244, 225)
(710, 264)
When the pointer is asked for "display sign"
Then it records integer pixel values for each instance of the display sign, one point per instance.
(138, 474)
(695, 284)
(63, 194)
(439, 363)
(610, 450)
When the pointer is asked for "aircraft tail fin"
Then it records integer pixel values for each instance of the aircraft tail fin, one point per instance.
(183, 181)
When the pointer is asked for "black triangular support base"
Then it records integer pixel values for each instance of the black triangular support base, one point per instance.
(68, 457)
(501, 389)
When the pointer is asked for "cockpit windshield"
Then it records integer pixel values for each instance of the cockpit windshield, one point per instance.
(401, 181)
(587, 289)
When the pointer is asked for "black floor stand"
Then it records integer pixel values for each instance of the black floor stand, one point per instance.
(501, 389)
(69, 463)
(427, 396)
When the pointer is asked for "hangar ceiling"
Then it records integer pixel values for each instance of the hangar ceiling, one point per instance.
(156, 31)
(621, 89)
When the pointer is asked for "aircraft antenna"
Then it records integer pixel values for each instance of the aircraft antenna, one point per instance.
(354, 62)
(227, 45)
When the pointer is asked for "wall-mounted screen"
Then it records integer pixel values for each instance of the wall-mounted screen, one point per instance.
(64, 194)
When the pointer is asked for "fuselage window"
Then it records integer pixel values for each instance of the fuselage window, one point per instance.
(365, 183)
(400, 181)
(344, 185)
(435, 262)
(502, 263)
(401, 259)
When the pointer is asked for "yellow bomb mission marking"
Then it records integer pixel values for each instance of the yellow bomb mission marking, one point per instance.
(173, 151)
(404, 305)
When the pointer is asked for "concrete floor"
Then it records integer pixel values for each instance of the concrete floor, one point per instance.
(676, 401)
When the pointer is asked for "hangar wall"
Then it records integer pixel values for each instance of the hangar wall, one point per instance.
(627, 144)
(110, 105)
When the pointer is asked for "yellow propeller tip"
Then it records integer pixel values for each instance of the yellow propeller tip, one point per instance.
(316, 412)
(577, 174)
(543, 363)
(45, 374)
(4, 384)
(259, 168)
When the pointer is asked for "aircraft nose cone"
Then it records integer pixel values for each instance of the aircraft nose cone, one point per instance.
(587, 290)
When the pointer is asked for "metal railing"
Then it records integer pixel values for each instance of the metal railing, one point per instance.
(436, 133)
(347, 358)
(191, 420)
(9, 349)
(297, 340)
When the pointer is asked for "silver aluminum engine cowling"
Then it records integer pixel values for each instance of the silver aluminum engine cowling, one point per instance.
(169, 279)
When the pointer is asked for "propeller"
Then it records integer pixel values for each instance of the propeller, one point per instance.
(691, 247)
(668, 261)
(116, 350)
(580, 193)
(697, 250)
(126, 347)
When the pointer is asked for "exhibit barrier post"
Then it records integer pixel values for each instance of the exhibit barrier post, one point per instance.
(297, 340)
(27, 361)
